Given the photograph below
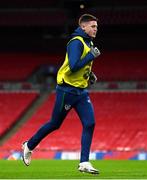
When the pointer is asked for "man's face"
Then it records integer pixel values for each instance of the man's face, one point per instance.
(90, 28)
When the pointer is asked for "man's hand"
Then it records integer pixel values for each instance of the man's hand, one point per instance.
(95, 51)
(92, 78)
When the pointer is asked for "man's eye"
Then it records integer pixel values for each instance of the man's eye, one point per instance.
(94, 26)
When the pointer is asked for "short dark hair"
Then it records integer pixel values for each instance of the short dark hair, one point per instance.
(87, 18)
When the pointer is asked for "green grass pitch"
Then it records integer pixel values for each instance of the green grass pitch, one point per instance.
(67, 169)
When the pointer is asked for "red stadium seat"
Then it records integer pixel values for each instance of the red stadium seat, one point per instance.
(12, 106)
(120, 124)
(121, 66)
(19, 67)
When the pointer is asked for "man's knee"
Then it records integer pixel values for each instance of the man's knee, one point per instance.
(89, 124)
(54, 125)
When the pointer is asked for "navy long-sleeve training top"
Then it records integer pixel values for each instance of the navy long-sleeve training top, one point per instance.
(75, 50)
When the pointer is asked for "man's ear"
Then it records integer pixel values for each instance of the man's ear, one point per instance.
(82, 26)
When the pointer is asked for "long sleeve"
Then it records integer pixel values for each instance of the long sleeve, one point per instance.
(74, 51)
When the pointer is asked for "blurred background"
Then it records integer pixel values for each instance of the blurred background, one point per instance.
(33, 37)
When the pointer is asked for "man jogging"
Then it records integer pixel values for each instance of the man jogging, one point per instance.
(73, 78)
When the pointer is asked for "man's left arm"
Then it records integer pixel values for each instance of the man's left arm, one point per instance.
(92, 78)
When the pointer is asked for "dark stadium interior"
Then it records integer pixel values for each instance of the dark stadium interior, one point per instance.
(44, 26)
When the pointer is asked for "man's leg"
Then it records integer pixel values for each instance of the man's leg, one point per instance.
(58, 115)
(85, 111)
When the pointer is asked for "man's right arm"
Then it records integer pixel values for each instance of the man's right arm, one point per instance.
(75, 50)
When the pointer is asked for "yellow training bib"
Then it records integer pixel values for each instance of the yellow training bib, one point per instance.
(79, 78)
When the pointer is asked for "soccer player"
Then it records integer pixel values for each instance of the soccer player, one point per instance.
(73, 78)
